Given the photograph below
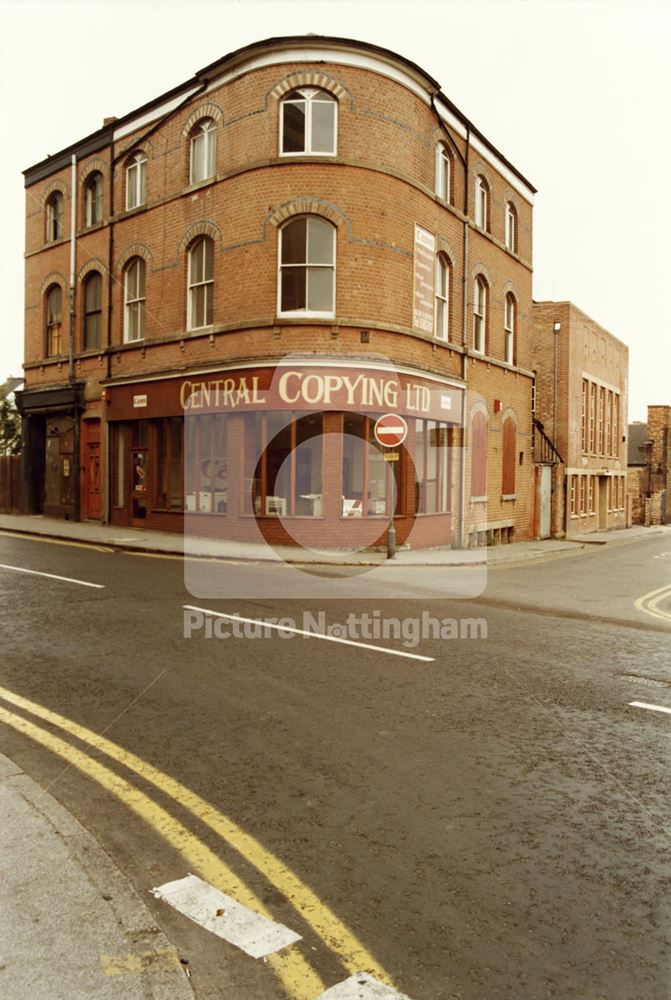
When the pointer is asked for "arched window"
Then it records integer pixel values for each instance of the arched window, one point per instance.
(509, 460)
(479, 315)
(134, 280)
(510, 323)
(93, 199)
(307, 266)
(136, 180)
(443, 172)
(201, 284)
(93, 309)
(511, 227)
(308, 122)
(54, 217)
(54, 342)
(481, 203)
(441, 321)
(479, 456)
(203, 150)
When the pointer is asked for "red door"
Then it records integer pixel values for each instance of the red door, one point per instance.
(91, 471)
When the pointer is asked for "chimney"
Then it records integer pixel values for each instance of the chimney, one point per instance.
(108, 121)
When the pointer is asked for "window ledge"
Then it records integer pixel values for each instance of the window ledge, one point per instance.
(127, 212)
(83, 230)
(509, 496)
(307, 317)
(197, 185)
(479, 499)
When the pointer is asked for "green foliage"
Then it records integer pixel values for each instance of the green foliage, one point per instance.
(10, 422)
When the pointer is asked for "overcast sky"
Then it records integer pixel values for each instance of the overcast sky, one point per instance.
(575, 94)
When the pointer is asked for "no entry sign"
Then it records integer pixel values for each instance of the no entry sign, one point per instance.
(391, 430)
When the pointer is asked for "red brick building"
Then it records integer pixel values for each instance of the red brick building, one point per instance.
(649, 467)
(581, 408)
(227, 286)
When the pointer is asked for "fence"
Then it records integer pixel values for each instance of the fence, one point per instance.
(9, 483)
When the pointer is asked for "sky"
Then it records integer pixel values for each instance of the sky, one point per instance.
(575, 94)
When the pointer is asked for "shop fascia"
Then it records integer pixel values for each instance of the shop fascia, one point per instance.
(323, 390)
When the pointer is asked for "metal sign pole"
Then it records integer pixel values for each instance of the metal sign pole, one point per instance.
(391, 531)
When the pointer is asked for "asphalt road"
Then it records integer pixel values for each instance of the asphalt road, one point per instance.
(489, 823)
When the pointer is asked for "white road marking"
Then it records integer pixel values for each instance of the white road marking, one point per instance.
(203, 903)
(652, 708)
(52, 576)
(362, 986)
(311, 635)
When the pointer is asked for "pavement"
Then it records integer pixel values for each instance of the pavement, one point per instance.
(138, 539)
(71, 926)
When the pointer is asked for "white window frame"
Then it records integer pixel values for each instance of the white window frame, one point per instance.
(204, 131)
(481, 203)
(511, 227)
(509, 324)
(308, 151)
(443, 172)
(208, 284)
(136, 301)
(442, 266)
(479, 315)
(93, 199)
(136, 181)
(53, 217)
(323, 314)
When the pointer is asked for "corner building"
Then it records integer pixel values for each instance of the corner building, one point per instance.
(226, 287)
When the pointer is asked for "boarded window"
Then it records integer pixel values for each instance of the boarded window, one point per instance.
(509, 455)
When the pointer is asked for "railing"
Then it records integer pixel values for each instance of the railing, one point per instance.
(543, 448)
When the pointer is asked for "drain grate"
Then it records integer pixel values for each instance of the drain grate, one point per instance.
(645, 681)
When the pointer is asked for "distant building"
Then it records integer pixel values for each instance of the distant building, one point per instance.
(580, 414)
(649, 467)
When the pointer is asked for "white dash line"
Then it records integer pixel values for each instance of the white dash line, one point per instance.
(312, 635)
(52, 576)
(362, 986)
(651, 708)
(215, 911)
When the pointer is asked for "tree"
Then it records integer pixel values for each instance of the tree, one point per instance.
(10, 421)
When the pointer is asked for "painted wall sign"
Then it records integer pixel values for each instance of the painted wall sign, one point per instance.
(425, 251)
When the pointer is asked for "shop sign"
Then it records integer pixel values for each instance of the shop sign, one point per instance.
(425, 252)
(139, 402)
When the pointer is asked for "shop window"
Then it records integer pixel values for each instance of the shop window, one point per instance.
(481, 203)
(54, 217)
(509, 457)
(479, 456)
(442, 298)
(308, 123)
(201, 284)
(93, 199)
(93, 285)
(203, 151)
(119, 453)
(283, 456)
(54, 341)
(169, 473)
(307, 267)
(510, 321)
(443, 172)
(432, 467)
(205, 463)
(511, 227)
(479, 315)
(134, 291)
(136, 181)
(366, 477)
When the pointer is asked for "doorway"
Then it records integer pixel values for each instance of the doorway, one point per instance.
(603, 503)
(91, 471)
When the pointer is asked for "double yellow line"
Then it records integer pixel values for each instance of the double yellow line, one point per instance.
(649, 603)
(300, 980)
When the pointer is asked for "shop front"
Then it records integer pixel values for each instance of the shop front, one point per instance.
(286, 454)
(51, 450)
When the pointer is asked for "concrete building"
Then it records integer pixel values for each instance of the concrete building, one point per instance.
(227, 286)
(649, 467)
(580, 415)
